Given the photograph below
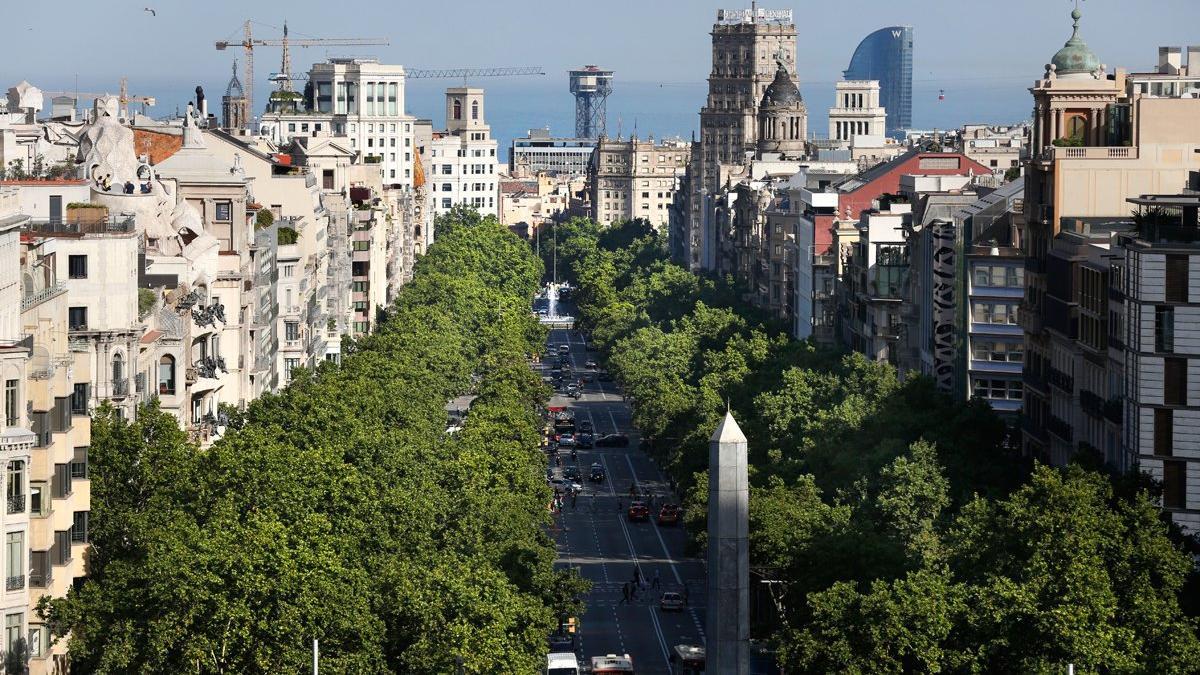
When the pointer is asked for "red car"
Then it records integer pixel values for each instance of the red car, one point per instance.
(638, 511)
(669, 514)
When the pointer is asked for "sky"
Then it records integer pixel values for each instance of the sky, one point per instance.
(971, 48)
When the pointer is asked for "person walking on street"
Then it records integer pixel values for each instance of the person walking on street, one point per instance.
(624, 593)
(654, 583)
(637, 574)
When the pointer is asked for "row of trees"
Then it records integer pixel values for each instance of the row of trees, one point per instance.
(909, 535)
(339, 509)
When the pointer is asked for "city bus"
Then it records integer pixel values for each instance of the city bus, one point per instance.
(612, 664)
(687, 660)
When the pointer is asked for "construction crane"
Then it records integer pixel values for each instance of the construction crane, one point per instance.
(124, 97)
(464, 73)
(249, 42)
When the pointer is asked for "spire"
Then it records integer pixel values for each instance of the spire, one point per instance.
(234, 90)
(728, 431)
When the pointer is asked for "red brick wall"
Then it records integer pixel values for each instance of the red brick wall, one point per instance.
(157, 145)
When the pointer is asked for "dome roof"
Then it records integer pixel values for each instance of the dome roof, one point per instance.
(782, 91)
(1075, 57)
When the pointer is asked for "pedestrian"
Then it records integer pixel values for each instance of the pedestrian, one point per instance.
(685, 594)
(574, 496)
(655, 582)
(624, 593)
(637, 574)
(619, 507)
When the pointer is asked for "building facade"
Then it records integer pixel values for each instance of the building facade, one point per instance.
(539, 152)
(636, 179)
(463, 158)
(857, 111)
(887, 56)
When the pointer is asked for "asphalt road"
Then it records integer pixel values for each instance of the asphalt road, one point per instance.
(595, 536)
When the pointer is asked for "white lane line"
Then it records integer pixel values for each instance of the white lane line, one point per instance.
(662, 641)
(666, 553)
(612, 419)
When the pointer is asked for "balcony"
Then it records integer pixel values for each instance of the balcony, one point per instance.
(15, 583)
(44, 295)
(1061, 380)
(1058, 427)
(41, 578)
(1051, 152)
(1114, 411)
(16, 504)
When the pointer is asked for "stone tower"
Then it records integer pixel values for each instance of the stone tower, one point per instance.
(782, 116)
(728, 619)
(235, 109)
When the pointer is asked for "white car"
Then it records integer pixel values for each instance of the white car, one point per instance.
(566, 485)
(566, 440)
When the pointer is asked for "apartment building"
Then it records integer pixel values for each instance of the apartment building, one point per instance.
(1000, 148)
(539, 152)
(463, 158)
(636, 179)
(366, 100)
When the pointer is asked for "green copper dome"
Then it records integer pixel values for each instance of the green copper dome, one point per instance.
(1075, 57)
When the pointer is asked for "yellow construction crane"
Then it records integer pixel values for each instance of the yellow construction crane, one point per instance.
(249, 42)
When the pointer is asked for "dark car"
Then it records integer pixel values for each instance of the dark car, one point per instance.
(638, 511)
(585, 426)
(597, 475)
(584, 440)
(613, 441)
(571, 473)
(669, 514)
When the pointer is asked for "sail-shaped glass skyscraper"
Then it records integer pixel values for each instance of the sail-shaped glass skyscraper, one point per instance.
(886, 55)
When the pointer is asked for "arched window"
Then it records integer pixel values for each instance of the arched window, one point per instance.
(457, 109)
(1077, 127)
(166, 374)
(474, 110)
(118, 368)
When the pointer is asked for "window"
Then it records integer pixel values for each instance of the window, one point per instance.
(1177, 278)
(16, 486)
(166, 375)
(79, 463)
(289, 270)
(1175, 381)
(61, 481)
(985, 350)
(77, 266)
(474, 110)
(79, 527)
(998, 389)
(61, 552)
(1164, 328)
(290, 365)
(291, 331)
(999, 275)
(446, 202)
(457, 109)
(224, 211)
(38, 504)
(13, 629)
(36, 641)
(1174, 484)
(447, 187)
(11, 402)
(362, 245)
(77, 318)
(1164, 431)
(291, 126)
(118, 369)
(15, 561)
(994, 312)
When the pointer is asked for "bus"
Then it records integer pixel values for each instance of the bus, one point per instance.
(612, 664)
(562, 663)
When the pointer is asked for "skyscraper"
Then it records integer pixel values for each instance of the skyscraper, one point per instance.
(886, 55)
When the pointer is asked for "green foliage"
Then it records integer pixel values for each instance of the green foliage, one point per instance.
(287, 236)
(147, 298)
(911, 536)
(339, 509)
(1012, 173)
(263, 219)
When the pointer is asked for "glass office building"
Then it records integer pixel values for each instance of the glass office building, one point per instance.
(886, 55)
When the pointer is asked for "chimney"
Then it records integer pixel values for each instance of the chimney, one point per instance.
(1193, 64)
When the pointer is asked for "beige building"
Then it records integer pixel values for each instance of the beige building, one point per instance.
(856, 111)
(529, 203)
(636, 179)
(999, 147)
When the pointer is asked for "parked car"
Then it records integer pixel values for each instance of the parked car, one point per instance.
(613, 441)
(638, 511)
(584, 440)
(597, 475)
(669, 514)
(671, 602)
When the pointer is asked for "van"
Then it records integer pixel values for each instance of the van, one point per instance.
(562, 663)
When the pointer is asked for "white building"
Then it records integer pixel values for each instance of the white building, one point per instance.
(463, 158)
(856, 111)
(366, 99)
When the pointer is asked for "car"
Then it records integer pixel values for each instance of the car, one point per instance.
(587, 377)
(561, 663)
(564, 349)
(566, 440)
(575, 394)
(671, 602)
(613, 441)
(669, 514)
(584, 440)
(543, 312)
(585, 426)
(565, 485)
(638, 511)
(591, 364)
(571, 473)
(604, 376)
(597, 475)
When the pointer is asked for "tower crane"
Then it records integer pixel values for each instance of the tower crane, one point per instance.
(464, 73)
(124, 96)
(249, 42)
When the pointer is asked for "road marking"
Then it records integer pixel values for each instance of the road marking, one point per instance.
(616, 429)
(661, 541)
(662, 641)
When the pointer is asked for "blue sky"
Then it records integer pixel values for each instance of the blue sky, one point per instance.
(971, 48)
